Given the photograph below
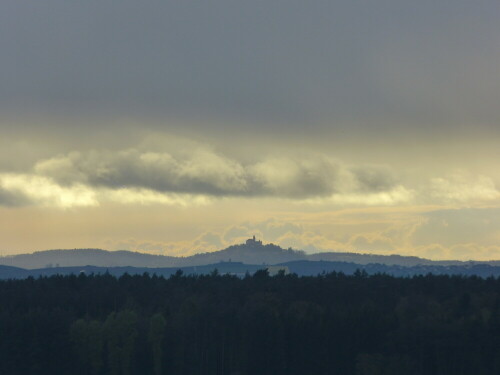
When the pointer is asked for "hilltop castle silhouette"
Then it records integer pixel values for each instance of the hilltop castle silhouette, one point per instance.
(253, 242)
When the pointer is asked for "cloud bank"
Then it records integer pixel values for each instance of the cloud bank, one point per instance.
(199, 174)
(207, 173)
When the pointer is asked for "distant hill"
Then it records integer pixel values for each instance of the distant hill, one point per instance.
(252, 252)
(83, 257)
(7, 272)
(249, 253)
(313, 268)
(300, 267)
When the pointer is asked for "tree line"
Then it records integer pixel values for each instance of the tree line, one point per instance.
(256, 325)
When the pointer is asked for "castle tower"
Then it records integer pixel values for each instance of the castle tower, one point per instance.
(253, 242)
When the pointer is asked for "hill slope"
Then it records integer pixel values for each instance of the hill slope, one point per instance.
(253, 252)
(299, 267)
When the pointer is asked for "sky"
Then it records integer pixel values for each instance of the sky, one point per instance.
(178, 127)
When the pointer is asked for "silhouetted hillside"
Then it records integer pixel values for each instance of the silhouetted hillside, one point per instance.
(300, 267)
(253, 252)
(8, 272)
(94, 257)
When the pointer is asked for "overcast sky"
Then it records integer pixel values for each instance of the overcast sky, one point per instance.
(182, 126)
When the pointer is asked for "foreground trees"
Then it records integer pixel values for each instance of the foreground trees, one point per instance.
(219, 324)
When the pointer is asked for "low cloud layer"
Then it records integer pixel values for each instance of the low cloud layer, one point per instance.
(464, 187)
(208, 173)
(198, 175)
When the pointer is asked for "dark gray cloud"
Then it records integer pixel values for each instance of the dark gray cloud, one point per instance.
(375, 178)
(13, 198)
(356, 65)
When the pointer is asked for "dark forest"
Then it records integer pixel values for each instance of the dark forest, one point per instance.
(255, 325)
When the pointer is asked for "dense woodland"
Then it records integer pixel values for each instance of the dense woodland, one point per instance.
(256, 325)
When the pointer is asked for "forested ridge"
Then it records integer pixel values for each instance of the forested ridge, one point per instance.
(256, 325)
